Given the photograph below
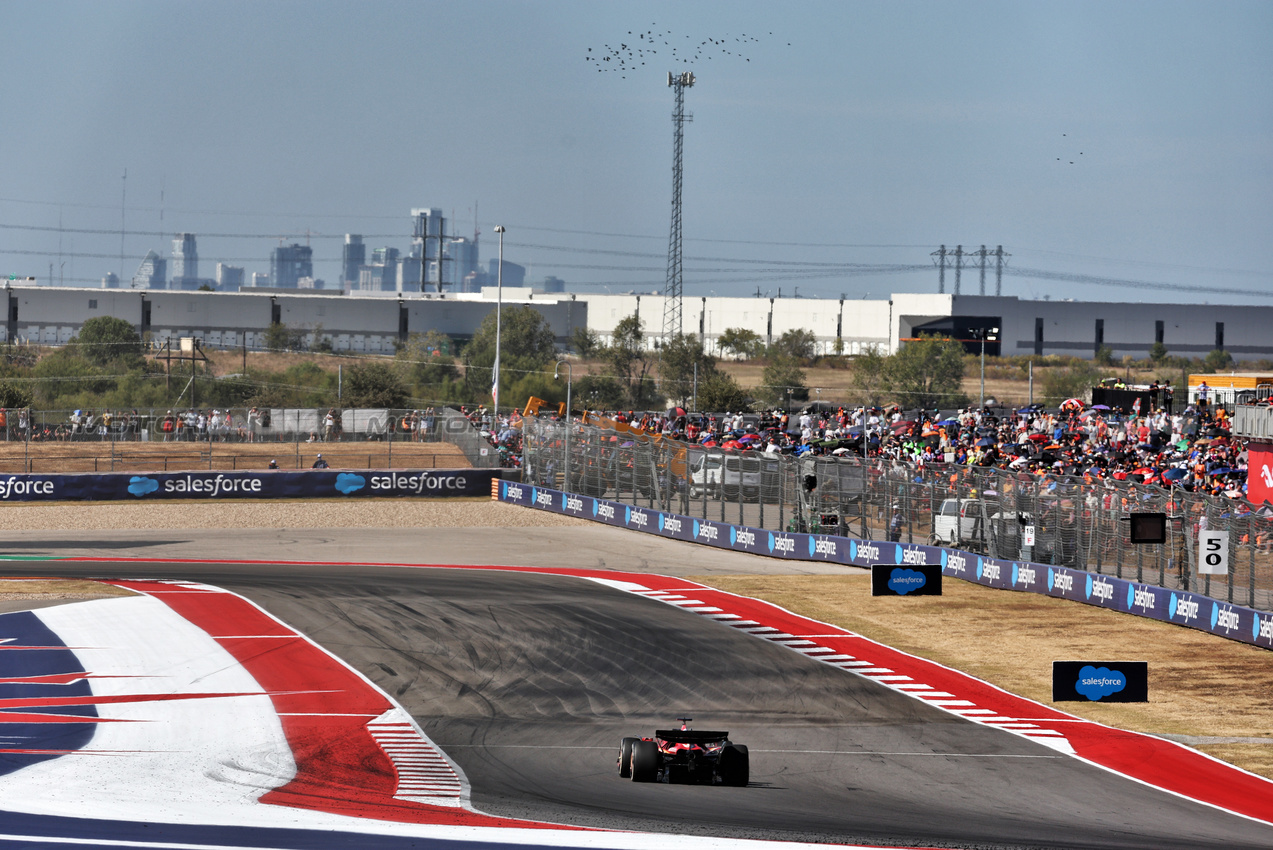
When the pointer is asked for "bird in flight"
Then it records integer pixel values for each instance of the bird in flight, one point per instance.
(632, 54)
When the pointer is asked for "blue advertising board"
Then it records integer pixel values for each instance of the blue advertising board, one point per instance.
(273, 484)
(1144, 600)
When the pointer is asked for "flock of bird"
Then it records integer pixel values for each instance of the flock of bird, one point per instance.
(631, 56)
(1059, 159)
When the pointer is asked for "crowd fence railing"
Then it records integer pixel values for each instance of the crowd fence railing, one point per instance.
(1077, 522)
(278, 426)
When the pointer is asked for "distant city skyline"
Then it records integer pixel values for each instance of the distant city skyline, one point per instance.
(1115, 151)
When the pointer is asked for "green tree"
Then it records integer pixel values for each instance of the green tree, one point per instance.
(280, 337)
(66, 379)
(1157, 353)
(1217, 360)
(103, 339)
(679, 357)
(745, 344)
(632, 362)
(783, 381)
(14, 395)
(870, 378)
(527, 344)
(374, 384)
(797, 344)
(719, 391)
(598, 392)
(1104, 356)
(585, 342)
(1070, 382)
(424, 359)
(928, 373)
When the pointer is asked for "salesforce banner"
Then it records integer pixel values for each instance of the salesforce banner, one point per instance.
(1146, 600)
(245, 485)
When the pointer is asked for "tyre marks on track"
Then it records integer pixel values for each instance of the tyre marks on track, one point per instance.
(1145, 759)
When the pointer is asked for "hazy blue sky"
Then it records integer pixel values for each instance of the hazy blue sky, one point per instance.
(858, 133)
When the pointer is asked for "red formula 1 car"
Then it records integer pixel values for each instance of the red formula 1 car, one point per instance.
(684, 755)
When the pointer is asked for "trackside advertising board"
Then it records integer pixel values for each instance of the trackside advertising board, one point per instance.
(901, 580)
(1100, 681)
(272, 484)
(1145, 600)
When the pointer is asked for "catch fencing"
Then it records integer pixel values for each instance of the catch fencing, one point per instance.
(1077, 522)
(277, 425)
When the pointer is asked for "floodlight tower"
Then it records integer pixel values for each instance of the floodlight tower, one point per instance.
(672, 289)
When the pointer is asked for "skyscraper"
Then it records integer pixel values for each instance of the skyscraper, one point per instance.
(383, 271)
(152, 273)
(229, 278)
(185, 258)
(290, 263)
(353, 258)
(425, 241)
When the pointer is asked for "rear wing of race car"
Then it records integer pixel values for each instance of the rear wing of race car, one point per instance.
(677, 736)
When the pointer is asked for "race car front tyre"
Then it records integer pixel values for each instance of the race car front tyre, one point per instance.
(734, 768)
(645, 761)
(625, 757)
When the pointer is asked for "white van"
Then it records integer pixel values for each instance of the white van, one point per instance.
(956, 520)
(705, 473)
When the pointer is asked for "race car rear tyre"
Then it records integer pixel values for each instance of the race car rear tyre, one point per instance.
(734, 768)
(625, 757)
(645, 761)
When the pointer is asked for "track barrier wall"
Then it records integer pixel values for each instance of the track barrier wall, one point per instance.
(1183, 608)
(274, 484)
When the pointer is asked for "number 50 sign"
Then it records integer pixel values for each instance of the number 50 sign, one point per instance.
(1213, 553)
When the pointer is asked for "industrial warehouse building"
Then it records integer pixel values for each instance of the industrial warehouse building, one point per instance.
(363, 323)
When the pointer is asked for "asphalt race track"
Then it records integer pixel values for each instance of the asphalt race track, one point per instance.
(528, 682)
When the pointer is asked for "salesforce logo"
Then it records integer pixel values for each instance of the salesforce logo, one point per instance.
(1023, 574)
(695, 529)
(627, 515)
(1262, 628)
(989, 570)
(956, 562)
(348, 482)
(1184, 607)
(865, 550)
(1140, 597)
(660, 522)
(1098, 682)
(140, 485)
(910, 556)
(594, 507)
(1060, 580)
(902, 581)
(785, 545)
(1101, 588)
(1223, 617)
(744, 537)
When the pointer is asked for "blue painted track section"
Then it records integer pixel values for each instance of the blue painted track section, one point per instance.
(27, 831)
(25, 629)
